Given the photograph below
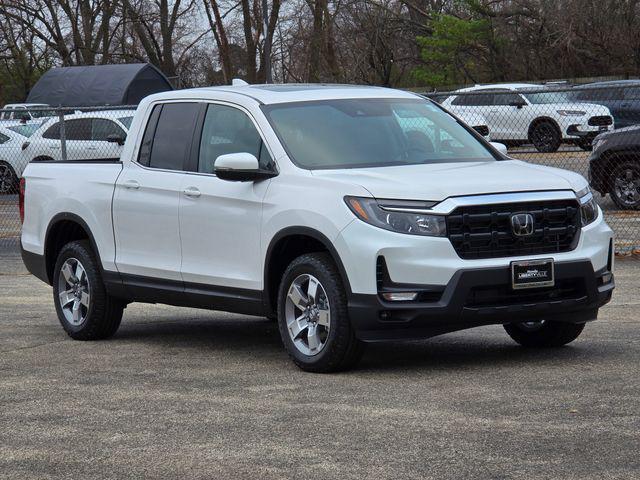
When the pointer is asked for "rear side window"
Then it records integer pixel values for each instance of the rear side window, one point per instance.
(53, 132)
(473, 100)
(171, 142)
(79, 129)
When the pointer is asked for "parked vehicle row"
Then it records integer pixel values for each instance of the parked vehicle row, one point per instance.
(521, 113)
(91, 135)
(347, 214)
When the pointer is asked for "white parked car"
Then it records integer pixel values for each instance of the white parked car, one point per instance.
(88, 136)
(348, 214)
(12, 159)
(523, 112)
(14, 112)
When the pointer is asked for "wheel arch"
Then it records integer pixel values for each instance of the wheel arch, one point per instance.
(288, 244)
(63, 228)
(544, 119)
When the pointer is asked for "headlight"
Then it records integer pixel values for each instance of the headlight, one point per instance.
(571, 113)
(398, 216)
(588, 206)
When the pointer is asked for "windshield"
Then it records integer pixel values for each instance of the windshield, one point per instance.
(126, 121)
(25, 130)
(548, 97)
(352, 133)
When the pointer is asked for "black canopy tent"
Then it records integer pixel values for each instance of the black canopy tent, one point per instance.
(98, 85)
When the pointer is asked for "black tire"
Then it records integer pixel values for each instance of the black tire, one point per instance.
(546, 137)
(546, 335)
(624, 185)
(104, 313)
(8, 179)
(342, 350)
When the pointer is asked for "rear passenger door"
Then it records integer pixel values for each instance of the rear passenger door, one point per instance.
(220, 220)
(148, 194)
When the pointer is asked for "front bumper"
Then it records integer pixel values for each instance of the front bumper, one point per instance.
(476, 297)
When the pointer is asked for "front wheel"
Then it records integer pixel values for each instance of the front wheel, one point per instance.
(312, 316)
(546, 137)
(543, 334)
(84, 308)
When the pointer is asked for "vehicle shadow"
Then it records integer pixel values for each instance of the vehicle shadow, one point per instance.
(486, 347)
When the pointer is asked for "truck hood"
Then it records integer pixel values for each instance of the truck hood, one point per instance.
(436, 182)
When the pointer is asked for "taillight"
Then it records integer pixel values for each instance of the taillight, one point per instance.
(23, 186)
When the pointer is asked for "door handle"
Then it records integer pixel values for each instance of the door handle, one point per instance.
(192, 192)
(131, 184)
(92, 148)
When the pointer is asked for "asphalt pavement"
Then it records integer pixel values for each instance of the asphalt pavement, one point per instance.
(182, 393)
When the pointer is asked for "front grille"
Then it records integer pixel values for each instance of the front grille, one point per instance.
(601, 121)
(482, 130)
(484, 231)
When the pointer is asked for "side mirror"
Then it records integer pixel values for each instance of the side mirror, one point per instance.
(115, 138)
(24, 118)
(501, 147)
(240, 167)
(518, 104)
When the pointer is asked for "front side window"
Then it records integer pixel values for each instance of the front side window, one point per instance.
(102, 128)
(506, 98)
(173, 135)
(352, 133)
(229, 130)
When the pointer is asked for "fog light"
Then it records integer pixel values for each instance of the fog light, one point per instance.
(400, 296)
(606, 278)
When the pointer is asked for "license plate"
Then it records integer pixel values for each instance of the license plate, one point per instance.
(532, 274)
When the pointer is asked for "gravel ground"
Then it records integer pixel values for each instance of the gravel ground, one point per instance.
(182, 393)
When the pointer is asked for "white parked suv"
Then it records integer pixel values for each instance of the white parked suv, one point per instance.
(523, 112)
(349, 214)
(12, 159)
(88, 136)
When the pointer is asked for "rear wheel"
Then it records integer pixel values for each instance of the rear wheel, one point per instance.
(312, 316)
(84, 308)
(625, 185)
(543, 334)
(546, 137)
(8, 179)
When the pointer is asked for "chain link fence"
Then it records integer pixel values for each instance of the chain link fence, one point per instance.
(32, 133)
(589, 129)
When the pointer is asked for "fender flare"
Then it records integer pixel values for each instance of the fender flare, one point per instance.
(309, 232)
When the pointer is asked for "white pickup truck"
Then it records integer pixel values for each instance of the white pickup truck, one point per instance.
(349, 214)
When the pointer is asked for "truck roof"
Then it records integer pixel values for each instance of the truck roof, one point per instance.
(292, 92)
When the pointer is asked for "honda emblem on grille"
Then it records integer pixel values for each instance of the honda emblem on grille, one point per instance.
(522, 224)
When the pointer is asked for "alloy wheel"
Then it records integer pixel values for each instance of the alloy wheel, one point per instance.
(308, 314)
(626, 185)
(75, 293)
